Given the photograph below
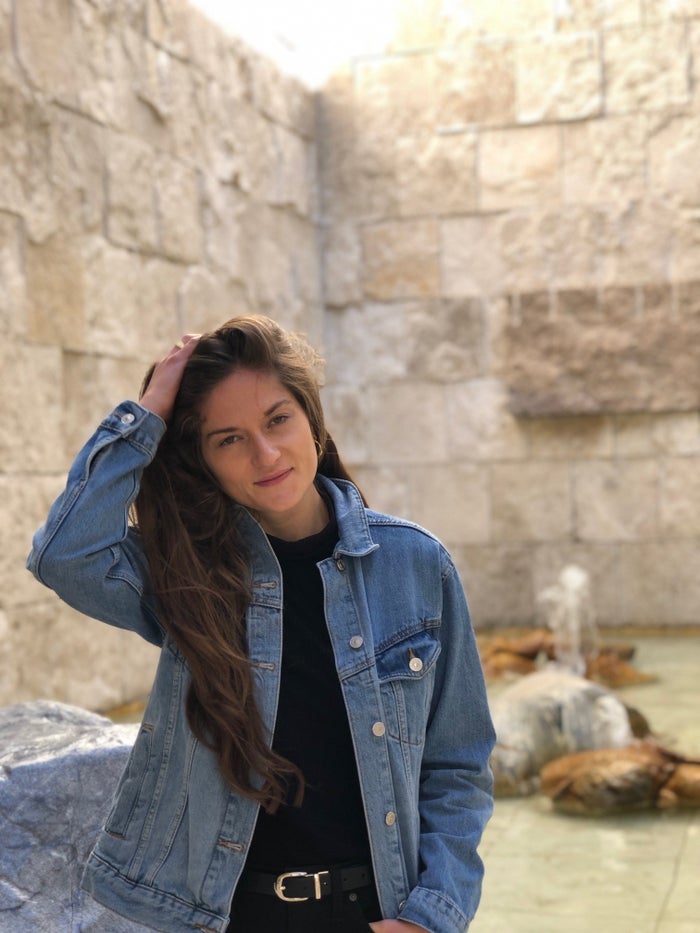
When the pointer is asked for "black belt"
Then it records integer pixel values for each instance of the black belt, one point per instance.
(305, 885)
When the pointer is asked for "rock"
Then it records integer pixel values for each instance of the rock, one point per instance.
(59, 766)
(546, 715)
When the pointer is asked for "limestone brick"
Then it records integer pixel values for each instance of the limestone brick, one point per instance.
(205, 300)
(293, 169)
(558, 77)
(406, 423)
(663, 10)
(616, 501)
(605, 160)
(480, 425)
(452, 501)
(13, 316)
(25, 185)
(222, 207)
(645, 435)
(674, 151)
(386, 489)
(370, 344)
(530, 501)
(131, 217)
(483, 17)
(519, 167)
(584, 438)
(660, 582)
(436, 174)
(574, 15)
(78, 660)
(684, 236)
(394, 96)
(417, 25)
(476, 84)
(25, 507)
(31, 429)
(471, 256)
(337, 156)
(179, 210)
(77, 171)
(346, 419)
(55, 292)
(646, 69)
(341, 257)
(483, 568)
(283, 98)
(679, 498)
(401, 259)
(446, 340)
(608, 350)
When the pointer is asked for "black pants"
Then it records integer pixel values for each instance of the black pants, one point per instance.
(346, 912)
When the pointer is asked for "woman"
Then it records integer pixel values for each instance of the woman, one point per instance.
(314, 753)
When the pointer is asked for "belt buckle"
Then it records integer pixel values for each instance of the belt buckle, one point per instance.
(279, 884)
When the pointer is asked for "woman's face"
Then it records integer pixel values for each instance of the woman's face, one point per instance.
(257, 441)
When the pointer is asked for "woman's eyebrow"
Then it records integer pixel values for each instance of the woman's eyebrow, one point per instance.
(266, 414)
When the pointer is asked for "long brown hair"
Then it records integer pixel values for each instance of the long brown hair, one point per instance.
(199, 567)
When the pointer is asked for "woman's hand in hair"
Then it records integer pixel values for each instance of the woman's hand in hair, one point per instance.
(161, 389)
(396, 926)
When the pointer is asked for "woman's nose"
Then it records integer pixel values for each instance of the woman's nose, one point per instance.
(265, 452)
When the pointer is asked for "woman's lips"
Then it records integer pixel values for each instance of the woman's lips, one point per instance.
(274, 479)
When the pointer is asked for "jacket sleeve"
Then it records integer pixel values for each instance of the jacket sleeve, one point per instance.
(456, 788)
(86, 551)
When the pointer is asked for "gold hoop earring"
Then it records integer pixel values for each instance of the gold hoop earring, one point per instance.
(319, 449)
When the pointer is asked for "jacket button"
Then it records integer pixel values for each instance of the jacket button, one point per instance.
(415, 664)
(390, 818)
(357, 641)
(340, 564)
(378, 728)
(127, 419)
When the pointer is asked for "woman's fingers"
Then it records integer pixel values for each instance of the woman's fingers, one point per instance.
(159, 396)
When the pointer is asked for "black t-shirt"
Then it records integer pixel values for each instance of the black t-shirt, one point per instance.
(311, 729)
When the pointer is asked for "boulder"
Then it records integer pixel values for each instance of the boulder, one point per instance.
(59, 766)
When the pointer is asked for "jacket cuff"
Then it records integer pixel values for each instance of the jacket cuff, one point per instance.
(434, 912)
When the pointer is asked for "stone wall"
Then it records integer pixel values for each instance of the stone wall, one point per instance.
(155, 178)
(511, 208)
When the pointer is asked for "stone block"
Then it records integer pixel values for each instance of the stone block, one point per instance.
(394, 96)
(616, 500)
(530, 501)
(617, 349)
(401, 260)
(667, 434)
(660, 583)
(337, 152)
(55, 292)
(483, 569)
(452, 501)
(476, 84)
(464, 21)
(576, 15)
(417, 26)
(281, 97)
(13, 307)
(679, 497)
(26, 501)
(436, 174)
(131, 198)
(605, 160)
(31, 429)
(370, 344)
(77, 171)
(131, 302)
(664, 10)
(344, 411)
(565, 438)
(646, 68)
(406, 423)
(179, 210)
(386, 489)
(292, 160)
(674, 151)
(471, 256)
(222, 207)
(68, 657)
(446, 340)
(558, 77)
(481, 427)
(341, 256)
(205, 300)
(519, 167)
(60, 767)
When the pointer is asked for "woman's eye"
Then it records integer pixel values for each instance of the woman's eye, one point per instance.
(228, 440)
(279, 419)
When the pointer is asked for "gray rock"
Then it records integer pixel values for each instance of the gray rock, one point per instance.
(59, 766)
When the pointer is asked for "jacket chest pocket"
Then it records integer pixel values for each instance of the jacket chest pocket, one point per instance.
(406, 672)
(130, 784)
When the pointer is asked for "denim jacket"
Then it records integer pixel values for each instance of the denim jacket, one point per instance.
(175, 841)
